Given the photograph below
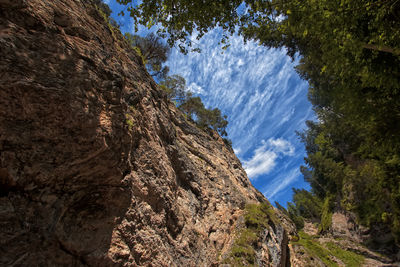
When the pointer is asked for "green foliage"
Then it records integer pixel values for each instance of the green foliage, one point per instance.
(256, 219)
(356, 164)
(315, 249)
(293, 213)
(307, 204)
(243, 253)
(325, 253)
(294, 216)
(139, 53)
(105, 12)
(105, 9)
(129, 121)
(326, 216)
(179, 19)
(330, 27)
(228, 142)
(257, 216)
(212, 118)
(153, 51)
(281, 208)
(349, 258)
(175, 87)
(193, 107)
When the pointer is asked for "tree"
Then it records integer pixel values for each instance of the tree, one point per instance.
(295, 216)
(179, 19)
(153, 51)
(193, 107)
(214, 119)
(352, 24)
(175, 86)
(307, 204)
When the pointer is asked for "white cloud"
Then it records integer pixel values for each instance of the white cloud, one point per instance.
(281, 183)
(263, 97)
(287, 116)
(281, 146)
(237, 151)
(265, 156)
(261, 163)
(240, 62)
(195, 89)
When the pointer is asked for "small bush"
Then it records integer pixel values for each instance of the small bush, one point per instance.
(228, 142)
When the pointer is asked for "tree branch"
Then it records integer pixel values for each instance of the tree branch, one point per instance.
(382, 48)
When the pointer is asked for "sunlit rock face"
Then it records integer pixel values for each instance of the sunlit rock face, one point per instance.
(97, 166)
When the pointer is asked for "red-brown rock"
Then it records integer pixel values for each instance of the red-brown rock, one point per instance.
(97, 166)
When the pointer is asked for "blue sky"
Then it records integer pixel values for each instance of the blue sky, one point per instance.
(265, 101)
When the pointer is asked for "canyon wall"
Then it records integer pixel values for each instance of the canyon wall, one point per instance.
(97, 166)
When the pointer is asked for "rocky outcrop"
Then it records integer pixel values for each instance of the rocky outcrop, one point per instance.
(97, 166)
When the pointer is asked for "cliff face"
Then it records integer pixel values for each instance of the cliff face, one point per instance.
(97, 166)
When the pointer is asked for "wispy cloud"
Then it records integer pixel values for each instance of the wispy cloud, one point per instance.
(263, 97)
(265, 156)
(195, 89)
(261, 163)
(236, 150)
(281, 183)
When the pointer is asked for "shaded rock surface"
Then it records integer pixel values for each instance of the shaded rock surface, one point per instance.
(97, 167)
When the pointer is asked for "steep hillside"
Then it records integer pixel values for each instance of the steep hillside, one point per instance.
(98, 167)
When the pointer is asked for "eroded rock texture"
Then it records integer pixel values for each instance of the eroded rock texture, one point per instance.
(97, 167)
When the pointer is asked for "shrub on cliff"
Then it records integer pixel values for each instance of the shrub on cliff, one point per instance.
(175, 87)
(154, 53)
(103, 7)
(194, 108)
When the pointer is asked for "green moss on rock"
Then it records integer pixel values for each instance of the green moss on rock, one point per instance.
(329, 252)
(256, 218)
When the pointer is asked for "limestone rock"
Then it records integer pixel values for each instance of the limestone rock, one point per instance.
(97, 166)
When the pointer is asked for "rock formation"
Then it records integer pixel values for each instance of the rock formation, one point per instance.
(97, 166)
